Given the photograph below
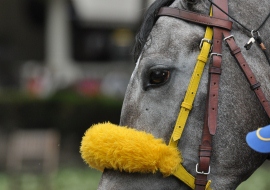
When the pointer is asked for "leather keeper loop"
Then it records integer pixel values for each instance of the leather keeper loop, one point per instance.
(215, 70)
(235, 51)
(202, 147)
(202, 58)
(209, 149)
(205, 153)
(186, 105)
(201, 182)
(255, 86)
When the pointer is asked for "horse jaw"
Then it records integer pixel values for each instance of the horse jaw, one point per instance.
(173, 44)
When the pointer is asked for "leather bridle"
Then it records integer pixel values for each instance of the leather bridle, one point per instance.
(95, 142)
(221, 32)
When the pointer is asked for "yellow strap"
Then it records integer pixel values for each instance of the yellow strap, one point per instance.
(181, 173)
(187, 178)
(186, 105)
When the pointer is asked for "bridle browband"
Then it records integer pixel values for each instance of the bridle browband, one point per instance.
(221, 32)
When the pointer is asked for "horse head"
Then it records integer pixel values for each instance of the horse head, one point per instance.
(166, 52)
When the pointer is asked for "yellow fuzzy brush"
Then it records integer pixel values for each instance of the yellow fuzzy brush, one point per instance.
(120, 148)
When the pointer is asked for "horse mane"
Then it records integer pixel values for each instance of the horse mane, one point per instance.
(147, 25)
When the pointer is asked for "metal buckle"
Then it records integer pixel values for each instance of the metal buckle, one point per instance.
(228, 37)
(203, 173)
(217, 54)
(205, 40)
(231, 36)
(252, 33)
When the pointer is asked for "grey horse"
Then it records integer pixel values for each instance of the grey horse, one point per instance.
(171, 46)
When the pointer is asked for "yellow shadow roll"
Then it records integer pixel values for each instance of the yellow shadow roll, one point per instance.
(120, 148)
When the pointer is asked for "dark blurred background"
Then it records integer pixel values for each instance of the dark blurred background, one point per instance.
(64, 65)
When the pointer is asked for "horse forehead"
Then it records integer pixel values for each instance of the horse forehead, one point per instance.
(171, 36)
(168, 28)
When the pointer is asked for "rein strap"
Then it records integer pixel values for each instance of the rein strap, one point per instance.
(254, 84)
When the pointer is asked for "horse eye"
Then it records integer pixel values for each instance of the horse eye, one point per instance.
(159, 76)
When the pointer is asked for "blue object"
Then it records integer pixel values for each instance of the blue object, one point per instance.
(259, 140)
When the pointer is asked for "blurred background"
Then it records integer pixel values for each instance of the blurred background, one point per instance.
(64, 65)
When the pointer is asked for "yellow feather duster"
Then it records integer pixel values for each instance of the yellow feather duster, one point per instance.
(121, 148)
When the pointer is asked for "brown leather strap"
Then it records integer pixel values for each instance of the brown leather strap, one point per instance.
(205, 151)
(195, 17)
(210, 123)
(214, 79)
(211, 114)
(254, 84)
